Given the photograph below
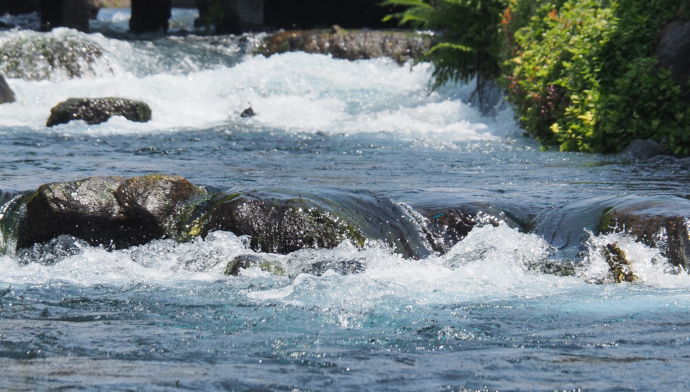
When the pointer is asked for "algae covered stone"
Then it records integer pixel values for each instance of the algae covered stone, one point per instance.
(36, 56)
(108, 211)
(660, 222)
(98, 110)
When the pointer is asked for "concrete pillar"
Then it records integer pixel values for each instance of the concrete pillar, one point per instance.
(310, 14)
(15, 7)
(232, 16)
(65, 13)
(150, 16)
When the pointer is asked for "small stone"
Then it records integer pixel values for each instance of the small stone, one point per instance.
(6, 93)
(619, 264)
(248, 112)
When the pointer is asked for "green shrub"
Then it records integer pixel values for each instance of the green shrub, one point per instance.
(467, 40)
(581, 73)
(584, 76)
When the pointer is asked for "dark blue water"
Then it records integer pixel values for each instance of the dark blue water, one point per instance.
(163, 316)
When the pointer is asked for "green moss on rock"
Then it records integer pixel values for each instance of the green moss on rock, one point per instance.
(98, 110)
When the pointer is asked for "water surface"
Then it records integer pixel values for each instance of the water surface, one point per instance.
(163, 316)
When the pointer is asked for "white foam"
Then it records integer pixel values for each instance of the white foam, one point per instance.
(163, 262)
(491, 266)
(292, 92)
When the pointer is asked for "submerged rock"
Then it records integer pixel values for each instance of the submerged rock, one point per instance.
(445, 227)
(6, 93)
(350, 45)
(340, 267)
(292, 266)
(98, 110)
(35, 56)
(52, 251)
(107, 211)
(252, 260)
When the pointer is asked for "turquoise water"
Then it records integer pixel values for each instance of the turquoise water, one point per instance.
(162, 316)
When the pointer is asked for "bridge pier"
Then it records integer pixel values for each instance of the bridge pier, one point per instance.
(227, 16)
(232, 16)
(65, 13)
(150, 16)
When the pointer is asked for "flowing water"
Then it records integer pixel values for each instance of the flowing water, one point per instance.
(163, 316)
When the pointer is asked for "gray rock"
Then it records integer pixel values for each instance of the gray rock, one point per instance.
(85, 209)
(660, 222)
(6, 93)
(108, 211)
(280, 225)
(98, 110)
(645, 149)
(673, 52)
(35, 56)
(350, 45)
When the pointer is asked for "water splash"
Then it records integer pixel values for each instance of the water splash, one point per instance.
(649, 265)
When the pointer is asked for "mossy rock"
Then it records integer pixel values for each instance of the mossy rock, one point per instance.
(98, 110)
(660, 222)
(35, 56)
(241, 262)
(280, 225)
(108, 211)
(619, 264)
(349, 45)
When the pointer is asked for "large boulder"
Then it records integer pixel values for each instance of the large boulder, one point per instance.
(108, 211)
(118, 213)
(6, 93)
(661, 221)
(36, 56)
(98, 110)
(280, 225)
(350, 45)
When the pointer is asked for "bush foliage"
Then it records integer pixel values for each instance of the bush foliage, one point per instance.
(467, 43)
(581, 73)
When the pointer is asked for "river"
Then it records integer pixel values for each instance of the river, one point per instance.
(163, 316)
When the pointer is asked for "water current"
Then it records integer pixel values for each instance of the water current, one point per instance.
(163, 316)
